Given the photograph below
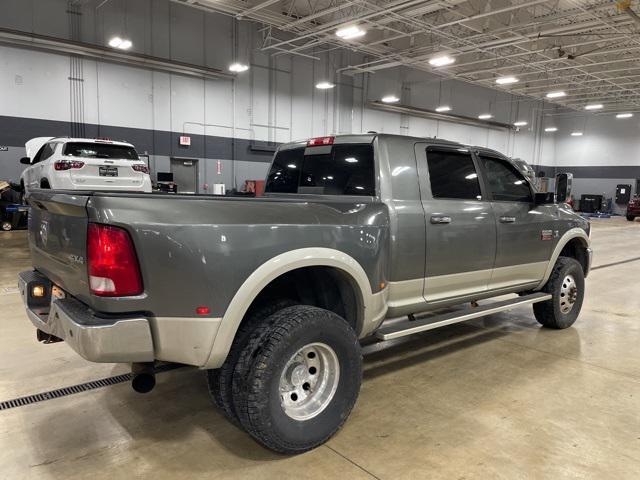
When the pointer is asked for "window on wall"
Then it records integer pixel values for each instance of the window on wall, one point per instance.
(452, 174)
(505, 181)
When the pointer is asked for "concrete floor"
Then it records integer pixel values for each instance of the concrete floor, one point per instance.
(499, 397)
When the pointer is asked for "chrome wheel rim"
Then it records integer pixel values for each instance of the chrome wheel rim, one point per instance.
(309, 381)
(568, 294)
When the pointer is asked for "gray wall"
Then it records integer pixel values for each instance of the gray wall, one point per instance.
(606, 155)
(275, 101)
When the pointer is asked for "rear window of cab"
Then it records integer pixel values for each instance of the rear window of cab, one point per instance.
(346, 169)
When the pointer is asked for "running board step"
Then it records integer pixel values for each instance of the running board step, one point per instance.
(407, 327)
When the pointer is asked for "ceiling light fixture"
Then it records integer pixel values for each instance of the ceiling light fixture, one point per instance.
(556, 94)
(324, 85)
(443, 108)
(390, 99)
(551, 129)
(441, 61)
(120, 43)
(506, 80)
(238, 67)
(576, 134)
(624, 115)
(352, 31)
(593, 106)
(485, 116)
(521, 123)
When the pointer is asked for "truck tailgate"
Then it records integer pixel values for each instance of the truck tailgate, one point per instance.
(58, 239)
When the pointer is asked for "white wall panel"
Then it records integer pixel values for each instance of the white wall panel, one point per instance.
(126, 96)
(34, 84)
(606, 140)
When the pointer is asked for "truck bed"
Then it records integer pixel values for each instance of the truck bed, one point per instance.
(190, 246)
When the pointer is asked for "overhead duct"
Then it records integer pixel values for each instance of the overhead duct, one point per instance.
(433, 115)
(15, 38)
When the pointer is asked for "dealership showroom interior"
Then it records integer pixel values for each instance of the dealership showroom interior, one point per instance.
(319, 239)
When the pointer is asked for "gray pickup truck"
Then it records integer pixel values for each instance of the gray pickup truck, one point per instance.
(359, 239)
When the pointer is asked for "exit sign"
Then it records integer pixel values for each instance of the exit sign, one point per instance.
(185, 141)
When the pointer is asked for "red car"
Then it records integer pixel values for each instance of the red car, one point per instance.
(633, 209)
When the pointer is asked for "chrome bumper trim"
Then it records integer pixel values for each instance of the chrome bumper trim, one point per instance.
(95, 339)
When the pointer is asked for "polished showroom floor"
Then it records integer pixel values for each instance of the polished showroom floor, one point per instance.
(498, 397)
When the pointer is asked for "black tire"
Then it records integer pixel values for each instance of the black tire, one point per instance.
(256, 379)
(220, 379)
(550, 313)
(631, 218)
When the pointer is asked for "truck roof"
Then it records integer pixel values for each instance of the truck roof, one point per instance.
(369, 137)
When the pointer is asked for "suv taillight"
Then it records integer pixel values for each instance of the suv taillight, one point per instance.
(140, 168)
(112, 262)
(67, 165)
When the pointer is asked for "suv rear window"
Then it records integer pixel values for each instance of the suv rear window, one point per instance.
(338, 170)
(100, 150)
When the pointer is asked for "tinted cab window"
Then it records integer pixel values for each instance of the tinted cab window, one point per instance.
(505, 181)
(325, 170)
(452, 174)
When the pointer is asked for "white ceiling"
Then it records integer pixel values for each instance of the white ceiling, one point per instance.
(589, 49)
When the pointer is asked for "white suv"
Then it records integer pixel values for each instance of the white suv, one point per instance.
(83, 164)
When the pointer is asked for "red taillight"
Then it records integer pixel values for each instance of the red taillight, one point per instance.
(65, 165)
(316, 142)
(140, 168)
(112, 262)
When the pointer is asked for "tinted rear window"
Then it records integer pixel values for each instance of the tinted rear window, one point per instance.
(100, 150)
(338, 170)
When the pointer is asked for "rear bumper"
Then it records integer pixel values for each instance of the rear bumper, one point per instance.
(112, 340)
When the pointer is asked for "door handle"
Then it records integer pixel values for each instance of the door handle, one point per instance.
(508, 219)
(440, 219)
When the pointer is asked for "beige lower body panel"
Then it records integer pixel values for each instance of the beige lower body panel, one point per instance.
(183, 339)
(517, 275)
(408, 296)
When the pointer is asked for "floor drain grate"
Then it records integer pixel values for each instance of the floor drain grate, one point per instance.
(82, 387)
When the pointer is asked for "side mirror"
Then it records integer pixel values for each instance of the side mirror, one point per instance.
(25, 161)
(563, 186)
(546, 198)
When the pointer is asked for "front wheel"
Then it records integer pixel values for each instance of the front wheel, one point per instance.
(298, 379)
(566, 285)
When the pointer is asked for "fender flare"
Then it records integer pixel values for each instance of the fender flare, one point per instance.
(566, 238)
(272, 269)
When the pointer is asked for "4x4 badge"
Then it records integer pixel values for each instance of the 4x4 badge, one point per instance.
(546, 235)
